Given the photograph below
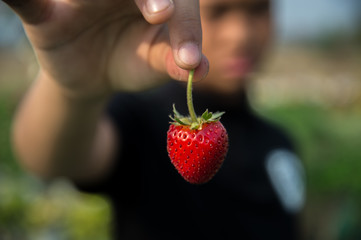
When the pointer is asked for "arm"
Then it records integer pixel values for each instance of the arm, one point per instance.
(56, 135)
(86, 51)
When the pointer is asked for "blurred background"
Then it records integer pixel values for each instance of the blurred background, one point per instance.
(311, 85)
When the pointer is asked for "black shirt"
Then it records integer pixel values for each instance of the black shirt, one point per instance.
(152, 201)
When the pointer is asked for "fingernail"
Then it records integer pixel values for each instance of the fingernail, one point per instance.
(189, 54)
(155, 6)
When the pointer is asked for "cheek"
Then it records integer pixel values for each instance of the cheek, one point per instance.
(212, 48)
(265, 32)
(209, 41)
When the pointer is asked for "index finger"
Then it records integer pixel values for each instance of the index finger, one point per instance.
(30, 11)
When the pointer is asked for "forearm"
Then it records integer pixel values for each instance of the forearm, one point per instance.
(59, 135)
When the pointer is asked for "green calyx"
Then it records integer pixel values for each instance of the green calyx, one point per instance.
(206, 117)
(192, 120)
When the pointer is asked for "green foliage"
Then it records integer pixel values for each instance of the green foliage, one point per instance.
(7, 106)
(329, 141)
(29, 210)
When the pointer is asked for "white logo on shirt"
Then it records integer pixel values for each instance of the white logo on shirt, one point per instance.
(287, 176)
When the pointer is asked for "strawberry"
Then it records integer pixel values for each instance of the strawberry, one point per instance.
(197, 153)
(197, 146)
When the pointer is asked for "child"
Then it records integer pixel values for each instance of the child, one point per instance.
(72, 124)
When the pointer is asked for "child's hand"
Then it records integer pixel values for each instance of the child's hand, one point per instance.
(91, 48)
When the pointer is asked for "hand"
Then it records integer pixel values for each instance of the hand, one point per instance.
(91, 48)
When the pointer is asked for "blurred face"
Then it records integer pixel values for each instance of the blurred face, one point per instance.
(235, 36)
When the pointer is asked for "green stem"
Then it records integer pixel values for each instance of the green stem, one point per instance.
(189, 97)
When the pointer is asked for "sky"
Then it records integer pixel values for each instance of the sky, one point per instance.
(295, 19)
(309, 18)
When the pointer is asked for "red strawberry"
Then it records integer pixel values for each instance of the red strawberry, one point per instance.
(198, 153)
(197, 147)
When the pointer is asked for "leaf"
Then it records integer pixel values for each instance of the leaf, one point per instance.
(176, 113)
(194, 125)
(171, 117)
(175, 122)
(179, 121)
(216, 116)
(206, 115)
(186, 120)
